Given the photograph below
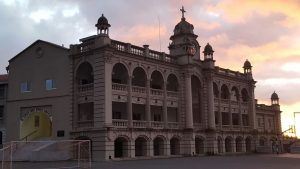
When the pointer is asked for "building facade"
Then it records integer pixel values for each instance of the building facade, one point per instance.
(3, 95)
(134, 102)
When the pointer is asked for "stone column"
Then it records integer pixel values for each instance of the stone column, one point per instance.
(148, 111)
(233, 145)
(108, 93)
(129, 102)
(253, 109)
(151, 148)
(211, 112)
(188, 102)
(165, 106)
(132, 148)
(230, 111)
(244, 145)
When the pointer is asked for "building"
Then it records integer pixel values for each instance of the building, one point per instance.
(132, 101)
(3, 95)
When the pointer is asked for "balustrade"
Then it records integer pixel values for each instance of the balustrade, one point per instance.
(120, 123)
(85, 87)
(120, 87)
(157, 92)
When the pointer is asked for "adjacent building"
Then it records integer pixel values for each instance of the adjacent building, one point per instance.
(132, 102)
(3, 96)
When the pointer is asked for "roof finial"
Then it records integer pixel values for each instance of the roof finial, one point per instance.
(182, 11)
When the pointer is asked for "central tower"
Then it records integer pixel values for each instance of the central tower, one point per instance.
(184, 45)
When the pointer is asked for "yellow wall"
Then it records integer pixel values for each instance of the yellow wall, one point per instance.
(44, 129)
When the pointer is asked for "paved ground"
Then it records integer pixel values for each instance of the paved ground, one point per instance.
(283, 161)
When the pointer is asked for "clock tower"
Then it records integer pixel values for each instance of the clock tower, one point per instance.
(184, 45)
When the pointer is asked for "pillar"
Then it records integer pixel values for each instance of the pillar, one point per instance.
(165, 106)
(148, 111)
(211, 112)
(188, 101)
(253, 108)
(108, 93)
(129, 102)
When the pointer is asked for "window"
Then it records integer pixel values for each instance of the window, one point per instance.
(245, 120)
(36, 121)
(50, 84)
(225, 118)
(235, 119)
(2, 91)
(25, 87)
(60, 133)
(216, 117)
(1, 111)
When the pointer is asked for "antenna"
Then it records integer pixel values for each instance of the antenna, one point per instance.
(159, 33)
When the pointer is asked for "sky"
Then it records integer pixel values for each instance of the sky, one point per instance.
(264, 32)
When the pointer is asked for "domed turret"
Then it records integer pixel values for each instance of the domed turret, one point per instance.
(247, 67)
(102, 26)
(184, 41)
(274, 99)
(208, 52)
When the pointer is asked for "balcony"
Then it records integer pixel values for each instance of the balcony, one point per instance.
(86, 123)
(157, 124)
(173, 125)
(139, 90)
(85, 88)
(120, 123)
(119, 87)
(157, 92)
(139, 124)
(172, 94)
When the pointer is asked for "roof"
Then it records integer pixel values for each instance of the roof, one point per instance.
(34, 43)
(3, 78)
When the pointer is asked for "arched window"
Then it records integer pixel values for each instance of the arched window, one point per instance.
(172, 83)
(245, 96)
(228, 144)
(216, 90)
(224, 92)
(139, 77)
(157, 81)
(84, 74)
(159, 146)
(141, 147)
(196, 99)
(175, 146)
(119, 74)
(121, 146)
(239, 144)
(234, 94)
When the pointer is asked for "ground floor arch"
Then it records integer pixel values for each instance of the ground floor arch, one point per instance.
(159, 146)
(121, 147)
(36, 125)
(141, 147)
(248, 143)
(175, 146)
(239, 144)
(228, 145)
(199, 145)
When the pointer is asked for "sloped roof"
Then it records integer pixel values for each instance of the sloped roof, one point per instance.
(34, 43)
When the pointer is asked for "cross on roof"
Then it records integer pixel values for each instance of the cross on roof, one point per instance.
(182, 11)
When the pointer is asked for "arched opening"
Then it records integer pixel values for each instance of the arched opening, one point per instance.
(245, 96)
(216, 90)
(175, 146)
(157, 81)
(262, 141)
(85, 147)
(220, 145)
(196, 99)
(158, 146)
(139, 77)
(141, 147)
(239, 144)
(84, 74)
(36, 126)
(1, 139)
(121, 146)
(234, 94)
(199, 145)
(172, 83)
(224, 92)
(119, 74)
(228, 144)
(248, 144)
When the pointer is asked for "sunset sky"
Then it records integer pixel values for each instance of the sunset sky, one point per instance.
(267, 33)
